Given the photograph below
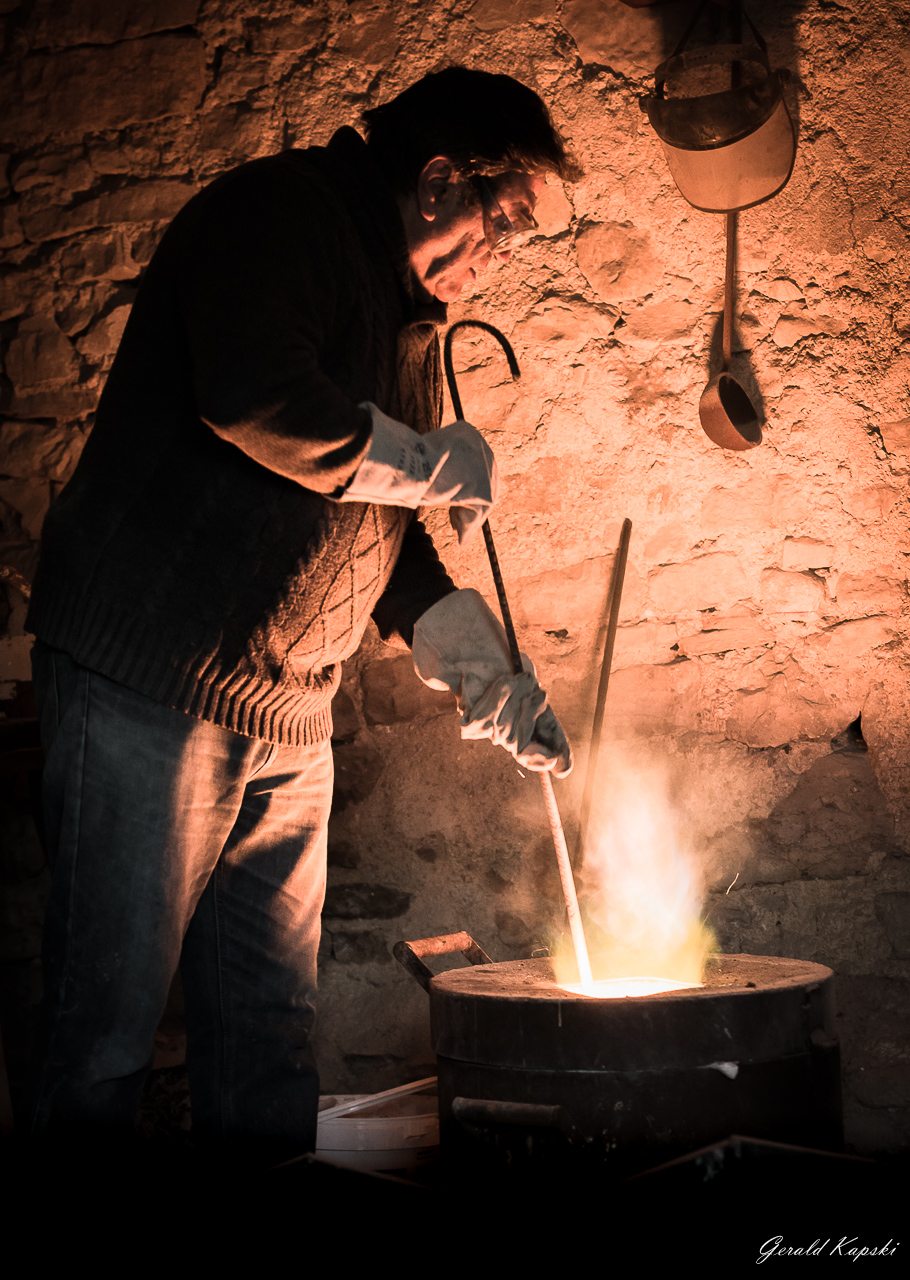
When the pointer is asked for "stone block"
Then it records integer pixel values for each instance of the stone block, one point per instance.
(368, 39)
(35, 449)
(83, 90)
(848, 641)
(871, 503)
(613, 37)
(66, 403)
(104, 255)
(83, 308)
(494, 15)
(896, 436)
(782, 289)
(786, 709)
(365, 902)
(859, 594)
(670, 544)
(661, 322)
(716, 580)
(103, 338)
(40, 357)
(553, 210)
(568, 321)
(30, 500)
(22, 291)
(11, 233)
(571, 598)
(830, 922)
(514, 931)
(231, 134)
(52, 177)
(361, 946)
(792, 329)
(653, 700)
(295, 32)
(618, 261)
(646, 644)
(725, 639)
(763, 502)
(783, 592)
(806, 553)
(155, 201)
(834, 823)
(392, 692)
(893, 910)
(55, 26)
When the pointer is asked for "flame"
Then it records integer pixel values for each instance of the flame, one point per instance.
(642, 891)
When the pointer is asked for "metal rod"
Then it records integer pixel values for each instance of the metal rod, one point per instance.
(576, 927)
(360, 1104)
(614, 600)
(729, 286)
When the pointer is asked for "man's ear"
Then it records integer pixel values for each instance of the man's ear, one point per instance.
(433, 184)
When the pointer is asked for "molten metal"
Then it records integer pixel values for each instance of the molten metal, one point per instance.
(617, 988)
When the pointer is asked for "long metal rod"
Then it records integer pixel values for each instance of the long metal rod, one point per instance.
(729, 287)
(614, 600)
(576, 927)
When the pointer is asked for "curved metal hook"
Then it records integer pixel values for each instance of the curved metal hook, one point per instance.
(450, 368)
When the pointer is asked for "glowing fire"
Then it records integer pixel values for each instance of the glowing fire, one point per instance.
(642, 892)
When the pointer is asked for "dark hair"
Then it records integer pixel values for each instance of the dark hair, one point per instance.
(486, 124)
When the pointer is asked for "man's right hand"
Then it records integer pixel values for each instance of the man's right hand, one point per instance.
(453, 467)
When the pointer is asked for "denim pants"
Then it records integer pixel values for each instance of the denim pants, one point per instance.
(173, 841)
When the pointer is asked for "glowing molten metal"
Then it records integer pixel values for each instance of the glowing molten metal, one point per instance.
(642, 889)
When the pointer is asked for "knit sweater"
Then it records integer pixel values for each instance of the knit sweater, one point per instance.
(197, 555)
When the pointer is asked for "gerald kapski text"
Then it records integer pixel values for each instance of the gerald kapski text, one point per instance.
(843, 1247)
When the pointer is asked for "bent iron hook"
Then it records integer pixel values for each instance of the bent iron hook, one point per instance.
(515, 371)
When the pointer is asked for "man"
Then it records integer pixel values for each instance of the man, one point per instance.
(243, 506)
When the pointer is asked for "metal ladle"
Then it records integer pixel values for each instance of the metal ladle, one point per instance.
(727, 415)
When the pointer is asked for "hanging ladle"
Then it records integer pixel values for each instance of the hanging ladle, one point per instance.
(727, 414)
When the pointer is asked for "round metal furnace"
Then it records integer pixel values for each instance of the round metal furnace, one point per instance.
(528, 1070)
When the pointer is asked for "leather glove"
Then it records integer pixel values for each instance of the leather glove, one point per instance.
(453, 467)
(460, 644)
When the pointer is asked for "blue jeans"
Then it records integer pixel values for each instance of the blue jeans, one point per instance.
(173, 841)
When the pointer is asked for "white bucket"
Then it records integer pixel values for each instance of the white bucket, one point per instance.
(393, 1135)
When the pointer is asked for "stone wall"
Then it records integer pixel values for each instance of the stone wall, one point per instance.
(762, 653)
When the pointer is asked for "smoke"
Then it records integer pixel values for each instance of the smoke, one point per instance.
(642, 882)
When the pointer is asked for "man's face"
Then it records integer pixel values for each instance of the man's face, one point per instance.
(449, 238)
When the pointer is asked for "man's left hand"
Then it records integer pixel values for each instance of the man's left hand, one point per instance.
(460, 645)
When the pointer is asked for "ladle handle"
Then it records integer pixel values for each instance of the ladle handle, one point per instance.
(729, 287)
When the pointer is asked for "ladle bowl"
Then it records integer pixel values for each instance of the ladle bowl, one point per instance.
(727, 415)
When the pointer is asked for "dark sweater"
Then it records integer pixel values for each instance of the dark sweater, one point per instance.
(196, 555)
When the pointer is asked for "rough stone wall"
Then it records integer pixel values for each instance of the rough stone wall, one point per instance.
(765, 600)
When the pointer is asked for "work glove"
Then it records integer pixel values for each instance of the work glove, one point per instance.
(460, 644)
(453, 467)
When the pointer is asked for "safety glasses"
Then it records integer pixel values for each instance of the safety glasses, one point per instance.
(502, 232)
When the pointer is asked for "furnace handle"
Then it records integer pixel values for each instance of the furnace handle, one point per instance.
(411, 954)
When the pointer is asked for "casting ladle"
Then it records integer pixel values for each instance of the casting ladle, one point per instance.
(546, 783)
(726, 412)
